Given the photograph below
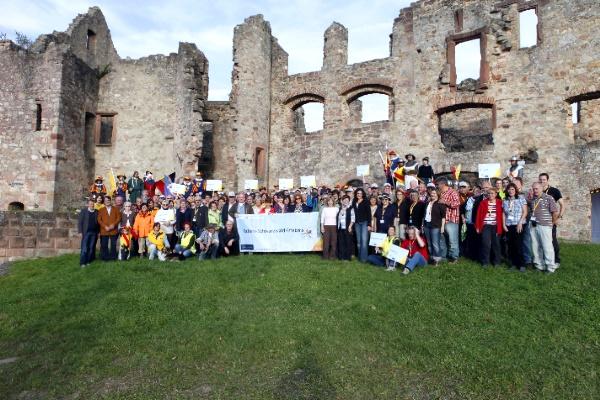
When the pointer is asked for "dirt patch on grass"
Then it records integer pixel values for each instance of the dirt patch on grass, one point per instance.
(4, 269)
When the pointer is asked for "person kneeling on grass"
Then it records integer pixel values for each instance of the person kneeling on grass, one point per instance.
(229, 241)
(124, 244)
(158, 243)
(187, 242)
(208, 243)
(379, 258)
(417, 250)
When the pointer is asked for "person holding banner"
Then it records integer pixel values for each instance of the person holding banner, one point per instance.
(345, 221)
(229, 241)
(417, 250)
(363, 216)
(329, 215)
(379, 258)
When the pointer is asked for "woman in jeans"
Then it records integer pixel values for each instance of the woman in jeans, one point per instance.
(362, 213)
(433, 225)
(515, 215)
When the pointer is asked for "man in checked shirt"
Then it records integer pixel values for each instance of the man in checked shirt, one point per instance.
(449, 242)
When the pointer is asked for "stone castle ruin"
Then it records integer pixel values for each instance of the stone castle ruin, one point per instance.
(71, 108)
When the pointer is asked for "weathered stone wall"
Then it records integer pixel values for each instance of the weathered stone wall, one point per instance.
(37, 234)
(28, 160)
(527, 91)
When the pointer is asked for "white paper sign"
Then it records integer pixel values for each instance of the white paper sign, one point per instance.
(286, 184)
(362, 170)
(213, 185)
(177, 188)
(251, 184)
(308, 181)
(489, 170)
(376, 239)
(397, 254)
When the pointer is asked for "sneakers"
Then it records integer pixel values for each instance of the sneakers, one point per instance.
(83, 265)
(522, 269)
(390, 268)
(405, 271)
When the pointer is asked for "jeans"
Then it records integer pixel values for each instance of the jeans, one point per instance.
(555, 245)
(433, 241)
(88, 248)
(184, 252)
(380, 261)
(211, 253)
(105, 254)
(543, 250)
(526, 244)
(417, 260)
(514, 246)
(449, 242)
(490, 243)
(362, 240)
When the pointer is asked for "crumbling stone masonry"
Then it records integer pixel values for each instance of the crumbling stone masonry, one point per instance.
(71, 108)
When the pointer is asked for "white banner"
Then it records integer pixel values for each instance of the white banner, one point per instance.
(286, 183)
(397, 254)
(177, 188)
(214, 185)
(251, 184)
(489, 170)
(265, 233)
(362, 170)
(308, 181)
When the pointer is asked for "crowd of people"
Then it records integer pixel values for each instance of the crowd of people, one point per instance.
(490, 221)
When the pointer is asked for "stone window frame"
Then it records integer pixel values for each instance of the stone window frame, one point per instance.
(99, 116)
(296, 101)
(592, 94)
(484, 68)
(260, 161)
(525, 6)
(90, 41)
(356, 91)
(39, 115)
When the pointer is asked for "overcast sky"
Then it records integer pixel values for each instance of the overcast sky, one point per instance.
(151, 27)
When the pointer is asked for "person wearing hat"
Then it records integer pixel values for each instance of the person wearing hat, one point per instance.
(208, 243)
(398, 173)
(515, 169)
(135, 187)
(121, 190)
(149, 183)
(199, 184)
(189, 188)
(98, 187)
(384, 215)
(186, 245)
(410, 170)
(387, 189)
(425, 171)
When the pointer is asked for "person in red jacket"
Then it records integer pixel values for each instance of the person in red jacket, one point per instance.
(417, 250)
(488, 224)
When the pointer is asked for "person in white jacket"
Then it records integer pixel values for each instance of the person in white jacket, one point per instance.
(329, 229)
(166, 217)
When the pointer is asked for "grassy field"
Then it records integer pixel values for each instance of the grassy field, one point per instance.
(296, 327)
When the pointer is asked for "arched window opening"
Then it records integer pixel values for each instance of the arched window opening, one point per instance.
(16, 206)
(309, 117)
(371, 107)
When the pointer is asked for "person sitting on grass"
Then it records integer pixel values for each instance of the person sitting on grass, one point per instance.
(158, 243)
(229, 241)
(124, 244)
(379, 258)
(187, 242)
(208, 243)
(417, 250)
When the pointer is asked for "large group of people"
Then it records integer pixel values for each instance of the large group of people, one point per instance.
(436, 220)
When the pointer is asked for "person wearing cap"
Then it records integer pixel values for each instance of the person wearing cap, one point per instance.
(199, 184)
(149, 183)
(208, 243)
(186, 245)
(135, 187)
(515, 169)
(384, 215)
(98, 187)
(425, 171)
(189, 188)
(387, 189)
(121, 189)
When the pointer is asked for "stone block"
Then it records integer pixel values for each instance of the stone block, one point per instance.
(58, 233)
(62, 243)
(30, 242)
(45, 252)
(8, 232)
(2, 253)
(12, 253)
(16, 243)
(45, 243)
(42, 233)
(28, 231)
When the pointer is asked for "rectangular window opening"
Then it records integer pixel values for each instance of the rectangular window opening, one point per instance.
(105, 129)
(90, 43)
(468, 60)
(259, 162)
(38, 117)
(528, 28)
(576, 112)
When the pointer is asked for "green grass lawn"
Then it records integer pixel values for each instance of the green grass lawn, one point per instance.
(296, 327)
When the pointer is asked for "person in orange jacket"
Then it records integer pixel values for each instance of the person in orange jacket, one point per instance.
(142, 227)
